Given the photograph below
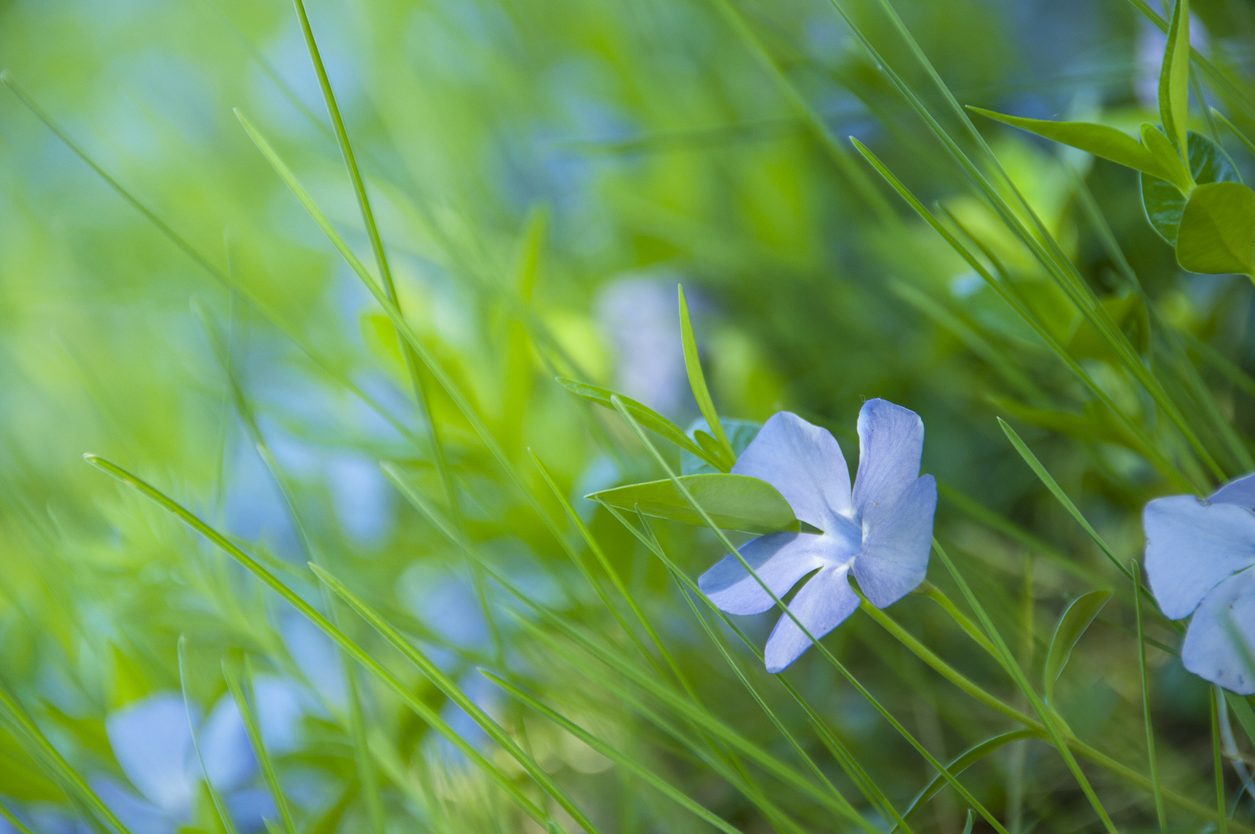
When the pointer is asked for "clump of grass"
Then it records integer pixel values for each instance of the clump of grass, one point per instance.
(347, 527)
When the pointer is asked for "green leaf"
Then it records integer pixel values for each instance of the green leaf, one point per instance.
(645, 415)
(740, 434)
(1167, 157)
(1164, 202)
(1174, 78)
(1100, 140)
(1217, 233)
(697, 380)
(733, 502)
(1073, 624)
(962, 762)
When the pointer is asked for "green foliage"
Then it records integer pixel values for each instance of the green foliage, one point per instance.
(1217, 232)
(1164, 203)
(648, 418)
(1174, 78)
(733, 502)
(424, 215)
(716, 444)
(1073, 623)
(1100, 140)
(740, 434)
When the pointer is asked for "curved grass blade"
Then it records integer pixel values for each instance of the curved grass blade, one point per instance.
(697, 381)
(57, 763)
(424, 711)
(412, 362)
(451, 690)
(648, 418)
(734, 770)
(12, 819)
(224, 815)
(240, 685)
(1217, 762)
(1073, 623)
(1148, 725)
(1049, 719)
(1062, 497)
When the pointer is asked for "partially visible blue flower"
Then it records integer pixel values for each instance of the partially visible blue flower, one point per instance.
(639, 314)
(152, 743)
(45, 819)
(1200, 559)
(881, 530)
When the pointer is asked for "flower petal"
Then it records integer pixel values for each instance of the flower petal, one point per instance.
(152, 743)
(1191, 546)
(779, 559)
(1240, 492)
(318, 659)
(896, 543)
(282, 705)
(138, 815)
(822, 604)
(804, 462)
(250, 807)
(891, 442)
(224, 743)
(1211, 649)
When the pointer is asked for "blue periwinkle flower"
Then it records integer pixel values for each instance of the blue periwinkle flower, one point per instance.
(881, 530)
(153, 744)
(1200, 559)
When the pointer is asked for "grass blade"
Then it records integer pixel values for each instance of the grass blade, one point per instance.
(697, 382)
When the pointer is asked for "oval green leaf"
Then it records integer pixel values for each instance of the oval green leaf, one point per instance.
(1073, 624)
(733, 502)
(1164, 202)
(1217, 232)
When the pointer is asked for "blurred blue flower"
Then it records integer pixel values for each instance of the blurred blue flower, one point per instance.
(639, 314)
(45, 819)
(1200, 557)
(152, 742)
(881, 530)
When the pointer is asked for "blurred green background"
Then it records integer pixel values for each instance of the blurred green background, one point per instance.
(544, 174)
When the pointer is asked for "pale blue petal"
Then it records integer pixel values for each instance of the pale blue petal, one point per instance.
(805, 463)
(822, 604)
(896, 544)
(251, 807)
(137, 814)
(1211, 648)
(282, 705)
(1191, 546)
(225, 746)
(891, 442)
(152, 743)
(1240, 492)
(779, 559)
(318, 659)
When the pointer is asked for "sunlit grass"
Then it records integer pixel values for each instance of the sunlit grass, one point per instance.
(324, 304)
